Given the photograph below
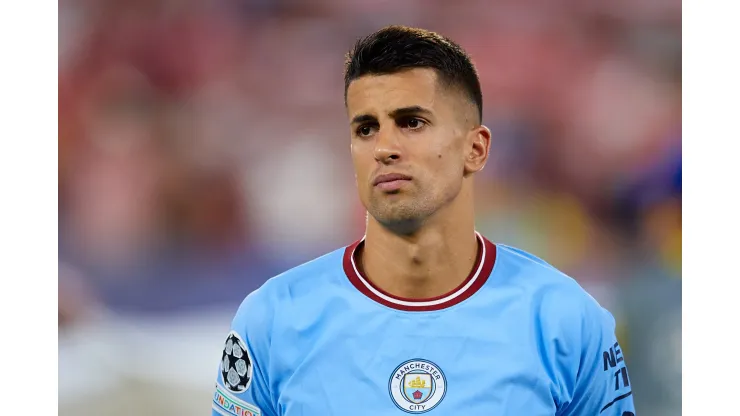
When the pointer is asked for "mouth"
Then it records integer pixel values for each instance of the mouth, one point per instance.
(391, 181)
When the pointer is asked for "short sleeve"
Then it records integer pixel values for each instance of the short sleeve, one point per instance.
(242, 384)
(600, 383)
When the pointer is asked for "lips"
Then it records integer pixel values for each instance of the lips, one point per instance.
(390, 177)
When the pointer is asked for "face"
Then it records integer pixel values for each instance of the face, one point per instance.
(413, 144)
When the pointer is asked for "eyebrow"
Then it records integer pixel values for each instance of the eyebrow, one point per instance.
(399, 112)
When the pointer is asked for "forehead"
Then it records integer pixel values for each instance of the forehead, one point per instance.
(382, 93)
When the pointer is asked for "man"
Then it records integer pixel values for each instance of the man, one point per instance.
(423, 314)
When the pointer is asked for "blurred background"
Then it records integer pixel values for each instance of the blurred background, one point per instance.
(204, 147)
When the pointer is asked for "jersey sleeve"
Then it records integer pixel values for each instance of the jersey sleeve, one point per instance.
(242, 385)
(599, 380)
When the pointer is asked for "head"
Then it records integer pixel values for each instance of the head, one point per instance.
(415, 106)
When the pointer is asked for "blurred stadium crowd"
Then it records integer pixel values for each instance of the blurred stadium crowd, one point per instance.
(204, 147)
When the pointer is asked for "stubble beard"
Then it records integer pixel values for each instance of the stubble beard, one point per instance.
(404, 216)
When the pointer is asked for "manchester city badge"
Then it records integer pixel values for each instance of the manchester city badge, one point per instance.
(417, 386)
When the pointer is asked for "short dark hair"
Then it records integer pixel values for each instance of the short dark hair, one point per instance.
(396, 48)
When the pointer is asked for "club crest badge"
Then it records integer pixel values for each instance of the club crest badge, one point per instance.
(417, 386)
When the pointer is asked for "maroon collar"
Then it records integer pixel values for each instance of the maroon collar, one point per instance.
(478, 276)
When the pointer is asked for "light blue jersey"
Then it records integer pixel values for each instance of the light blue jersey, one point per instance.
(517, 337)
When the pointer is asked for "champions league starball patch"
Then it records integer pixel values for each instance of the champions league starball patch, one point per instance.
(236, 364)
(417, 386)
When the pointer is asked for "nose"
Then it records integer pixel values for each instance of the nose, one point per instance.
(387, 146)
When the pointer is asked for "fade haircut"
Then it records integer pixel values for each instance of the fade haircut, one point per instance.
(397, 48)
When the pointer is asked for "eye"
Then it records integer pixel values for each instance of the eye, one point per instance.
(412, 123)
(365, 130)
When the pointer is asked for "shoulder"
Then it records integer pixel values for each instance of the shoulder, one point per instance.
(279, 291)
(569, 324)
(557, 298)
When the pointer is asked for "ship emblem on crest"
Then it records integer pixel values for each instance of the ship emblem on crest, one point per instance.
(417, 386)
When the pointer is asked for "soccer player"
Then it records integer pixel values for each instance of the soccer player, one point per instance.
(423, 314)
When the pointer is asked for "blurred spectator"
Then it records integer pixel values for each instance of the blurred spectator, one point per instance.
(77, 304)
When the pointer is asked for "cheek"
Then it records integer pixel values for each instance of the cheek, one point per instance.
(358, 161)
(448, 158)
(447, 168)
(443, 170)
(361, 170)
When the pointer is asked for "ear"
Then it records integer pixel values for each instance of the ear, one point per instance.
(478, 149)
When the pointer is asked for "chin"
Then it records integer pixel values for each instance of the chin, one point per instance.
(399, 219)
(400, 226)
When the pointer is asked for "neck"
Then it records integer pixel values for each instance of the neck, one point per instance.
(430, 262)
